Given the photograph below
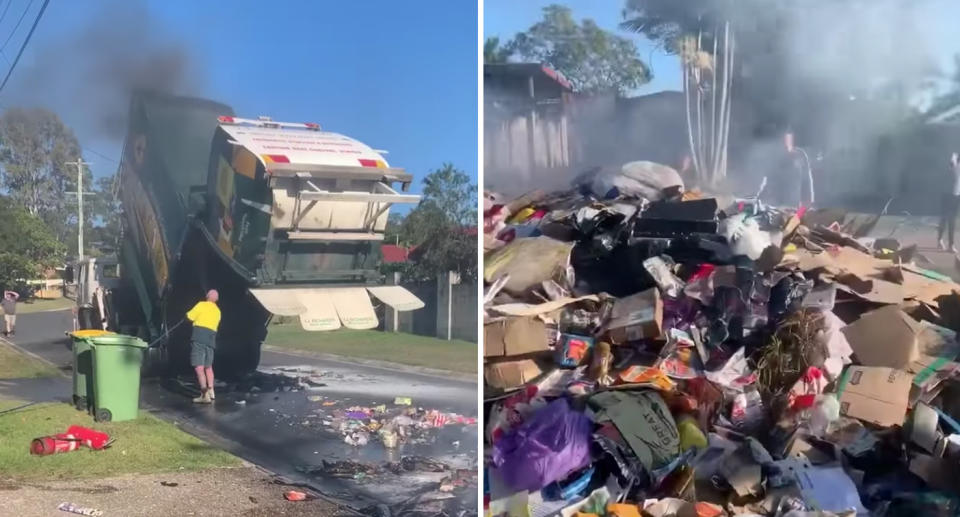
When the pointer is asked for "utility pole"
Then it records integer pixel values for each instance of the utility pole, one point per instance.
(80, 193)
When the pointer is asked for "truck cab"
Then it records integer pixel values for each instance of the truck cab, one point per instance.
(95, 279)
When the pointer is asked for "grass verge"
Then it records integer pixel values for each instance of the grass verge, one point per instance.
(394, 347)
(17, 365)
(38, 305)
(143, 446)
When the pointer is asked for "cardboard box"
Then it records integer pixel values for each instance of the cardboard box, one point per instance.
(638, 316)
(515, 336)
(876, 395)
(884, 337)
(510, 374)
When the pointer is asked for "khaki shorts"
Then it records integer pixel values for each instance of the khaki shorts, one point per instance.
(10, 319)
(201, 354)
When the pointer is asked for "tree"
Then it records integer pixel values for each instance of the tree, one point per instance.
(701, 36)
(494, 53)
(443, 225)
(34, 148)
(591, 58)
(449, 190)
(103, 224)
(27, 246)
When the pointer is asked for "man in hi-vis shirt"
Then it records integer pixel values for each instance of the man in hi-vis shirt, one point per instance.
(205, 316)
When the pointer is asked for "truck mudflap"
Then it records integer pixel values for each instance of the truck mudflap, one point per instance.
(323, 309)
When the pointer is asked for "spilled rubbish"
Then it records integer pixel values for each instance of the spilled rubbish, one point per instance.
(661, 352)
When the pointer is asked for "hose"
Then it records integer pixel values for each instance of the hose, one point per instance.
(166, 334)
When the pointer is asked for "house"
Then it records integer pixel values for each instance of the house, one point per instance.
(526, 128)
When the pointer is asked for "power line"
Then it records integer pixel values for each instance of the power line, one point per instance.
(14, 31)
(105, 157)
(25, 42)
(5, 9)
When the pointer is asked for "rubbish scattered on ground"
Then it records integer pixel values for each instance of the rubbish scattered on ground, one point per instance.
(403, 401)
(79, 510)
(169, 484)
(650, 351)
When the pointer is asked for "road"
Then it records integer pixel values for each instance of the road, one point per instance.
(284, 431)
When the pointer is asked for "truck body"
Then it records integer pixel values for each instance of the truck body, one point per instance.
(280, 218)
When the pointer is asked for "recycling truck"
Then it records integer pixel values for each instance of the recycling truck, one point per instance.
(281, 218)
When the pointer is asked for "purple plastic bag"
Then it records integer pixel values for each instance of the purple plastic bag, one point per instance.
(546, 448)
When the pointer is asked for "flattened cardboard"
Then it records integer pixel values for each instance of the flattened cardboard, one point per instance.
(874, 394)
(510, 374)
(635, 317)
(515, 336)
(529, 309)
(884, 337)
(938, 349)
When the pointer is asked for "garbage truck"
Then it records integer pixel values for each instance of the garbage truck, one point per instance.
(283, 219)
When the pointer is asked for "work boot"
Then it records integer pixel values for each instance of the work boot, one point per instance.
(204, 398)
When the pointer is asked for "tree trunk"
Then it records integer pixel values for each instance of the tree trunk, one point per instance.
(686, 98)
(730, 48)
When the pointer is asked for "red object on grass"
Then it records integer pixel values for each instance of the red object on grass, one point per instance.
(293, 495)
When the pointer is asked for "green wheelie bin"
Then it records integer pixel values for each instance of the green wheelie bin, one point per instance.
(116, 376)
(83, 367)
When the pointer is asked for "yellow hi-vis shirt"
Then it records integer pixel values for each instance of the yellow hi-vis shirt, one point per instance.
(205, 314)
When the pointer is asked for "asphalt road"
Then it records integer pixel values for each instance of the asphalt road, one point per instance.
(284, 431)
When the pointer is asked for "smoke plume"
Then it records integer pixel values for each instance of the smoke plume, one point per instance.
(87, 75)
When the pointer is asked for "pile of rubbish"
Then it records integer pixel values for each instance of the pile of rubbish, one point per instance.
(391, 426)
(655, 351)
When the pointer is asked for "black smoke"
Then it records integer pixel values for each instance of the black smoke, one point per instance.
(87, 75)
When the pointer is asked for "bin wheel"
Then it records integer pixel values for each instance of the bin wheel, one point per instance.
(80, 403)
(103, 415)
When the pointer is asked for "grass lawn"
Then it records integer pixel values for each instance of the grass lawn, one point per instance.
(17, 365)
(145, 445)
(395, 347)
(38, 305)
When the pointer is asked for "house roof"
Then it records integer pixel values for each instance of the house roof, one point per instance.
(542, 74)
(393, 254)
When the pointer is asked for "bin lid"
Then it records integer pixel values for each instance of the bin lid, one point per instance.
(90, 333)
(117, 340)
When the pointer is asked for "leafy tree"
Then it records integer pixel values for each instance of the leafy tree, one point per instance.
(27, 246)
(443, 226)
(34, 148)
(391, 234)
(493, 52)
(591, 58)
(450, 191)
(103, 225)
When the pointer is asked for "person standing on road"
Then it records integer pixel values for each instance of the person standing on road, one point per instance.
(9, 304)
(205, 316)
(948, 210)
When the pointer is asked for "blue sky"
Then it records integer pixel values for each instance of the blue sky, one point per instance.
(398, 76)
(504, 18)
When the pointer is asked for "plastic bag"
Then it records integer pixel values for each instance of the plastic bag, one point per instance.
(552, 443)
